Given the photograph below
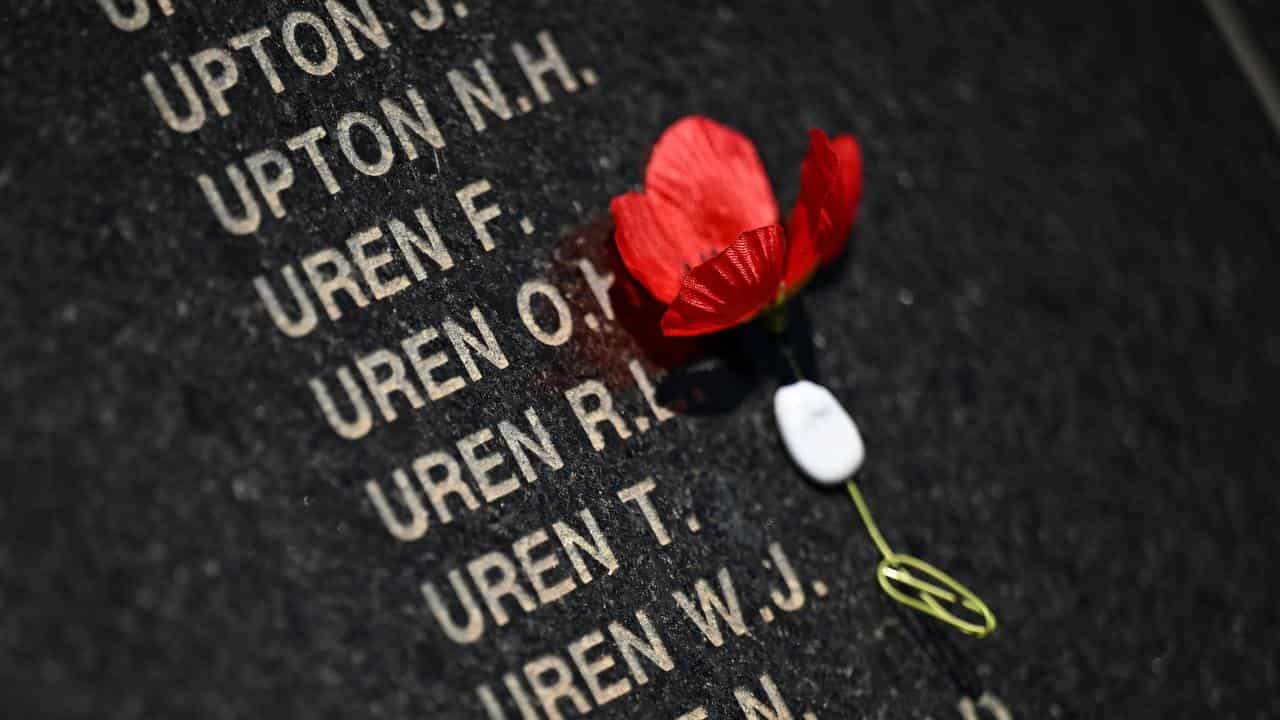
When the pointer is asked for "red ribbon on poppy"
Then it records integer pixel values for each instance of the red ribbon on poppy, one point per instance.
(704, 238)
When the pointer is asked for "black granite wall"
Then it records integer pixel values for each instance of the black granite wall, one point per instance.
(1055, 327)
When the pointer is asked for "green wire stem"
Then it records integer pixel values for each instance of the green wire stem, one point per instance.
(895, 573)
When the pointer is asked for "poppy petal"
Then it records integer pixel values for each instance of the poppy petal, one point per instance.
(710, 175)
(809, 221)
(731, 287)
(704, 184)
(830, 190)
(846, 194)
(649, 244)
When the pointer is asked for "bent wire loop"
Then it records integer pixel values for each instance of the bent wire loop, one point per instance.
(921, 586)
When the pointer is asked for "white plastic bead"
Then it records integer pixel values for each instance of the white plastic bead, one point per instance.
(817, 432)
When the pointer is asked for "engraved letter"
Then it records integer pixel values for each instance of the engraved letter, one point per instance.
(465, 633)
(417, 525)
(551, 61)
(599, 285)
(327, 287)
(410, 244)
(194, 119)
(425, 366)
(217, 83)
(358, 246)
(754, 709)
(132, 21)
(289, 29)
(552, 681)
(794, 599)
(480, 466)
(367, 23)
(505, 583)
(246, 222)
(253, 41)
(639, 493)
(603, 412)
(574, 545)
(420, 123)
(438, 491)
(271, 184)
(479, 217)
(518, 443)
(352, 429)
(564, 321)
(432, 21)
(591, 670)
(469, 94)
(386, 154)
(660, 413)
(393, 381)
(712, 604)
(464, 343)
(652, 648)
(536, 569)
(306, 321)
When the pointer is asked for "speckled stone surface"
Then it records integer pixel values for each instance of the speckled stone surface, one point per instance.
(1056, 329)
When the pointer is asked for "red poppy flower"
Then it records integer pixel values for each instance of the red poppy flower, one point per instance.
(704, 236)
